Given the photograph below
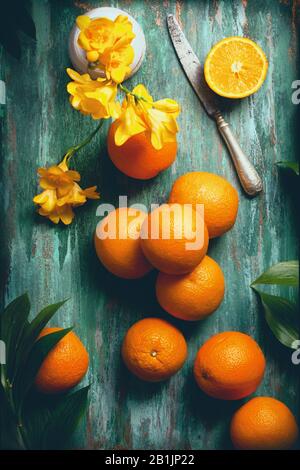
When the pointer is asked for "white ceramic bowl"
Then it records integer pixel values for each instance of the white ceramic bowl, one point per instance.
(77, 54)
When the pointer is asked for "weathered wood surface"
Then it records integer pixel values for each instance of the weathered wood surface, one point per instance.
(55, 262)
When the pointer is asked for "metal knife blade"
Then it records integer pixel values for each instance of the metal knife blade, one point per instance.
(192, 67)
(248, 176)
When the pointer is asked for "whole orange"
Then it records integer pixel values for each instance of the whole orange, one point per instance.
(138, 158)
(64, 366)
(192, 296)
(174, 238)
(153, 349)
(264, 423)
(219, 197)
(229, 366)
(118, 245)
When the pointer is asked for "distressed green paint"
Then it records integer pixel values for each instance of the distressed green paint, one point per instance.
(55, 262)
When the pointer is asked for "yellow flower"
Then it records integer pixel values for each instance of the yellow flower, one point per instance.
(93, 97)
(162, 125)
(129, 123)
(108, 43)
(140, 113)
(61, 193)
(117, 63)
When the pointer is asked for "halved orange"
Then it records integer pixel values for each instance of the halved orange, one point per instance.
(235, 67)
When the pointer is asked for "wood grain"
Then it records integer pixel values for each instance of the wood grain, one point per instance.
(55, 262)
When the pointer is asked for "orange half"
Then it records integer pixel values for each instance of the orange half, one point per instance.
(235, 67)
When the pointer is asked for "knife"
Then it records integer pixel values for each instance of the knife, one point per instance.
(247, 174)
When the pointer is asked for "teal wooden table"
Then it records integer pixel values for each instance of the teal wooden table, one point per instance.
(54, 262)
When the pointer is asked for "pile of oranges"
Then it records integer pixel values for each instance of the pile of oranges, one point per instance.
(190, 286)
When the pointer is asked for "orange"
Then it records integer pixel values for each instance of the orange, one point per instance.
(138, 158)
(121, 252)
(235, 67)
(174, 238)
(192, 296)
(229, 366)
(264, 423)
(64, 366)
(153, 349)
(219, 197)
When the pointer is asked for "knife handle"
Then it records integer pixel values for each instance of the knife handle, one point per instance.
(247, 174)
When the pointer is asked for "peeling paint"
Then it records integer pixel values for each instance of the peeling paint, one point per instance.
(218, 15)
(84, 6)
(179, 6)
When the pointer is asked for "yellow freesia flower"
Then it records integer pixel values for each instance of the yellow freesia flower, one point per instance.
(140, 113)
(108, 43)
(61, 193)
(162, 125)
(117, 63)
(93, 97)
(130, 123)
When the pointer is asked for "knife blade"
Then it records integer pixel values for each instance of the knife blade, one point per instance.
(192, 67)
(247, 174)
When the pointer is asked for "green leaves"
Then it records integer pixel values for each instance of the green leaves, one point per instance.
(280, 313)
(12, 323)
(51, 420)
(286, 273)
(294, 166)
(64, 419)
(41, 320)
(45, 420)
(38, 353)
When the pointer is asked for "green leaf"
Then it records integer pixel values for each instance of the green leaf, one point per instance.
(8, 438)
(64, 419)
(38, 353)
(41, 320)
(36, 414)
(20, 402)
(289, 165)
(13, 323)
(285, 273)
(34, 329)
(281, 316)
(15, 313)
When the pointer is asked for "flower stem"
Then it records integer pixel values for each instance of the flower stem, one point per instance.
(128, 92)
(75, 148)
(125, 89)
(20, 431)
